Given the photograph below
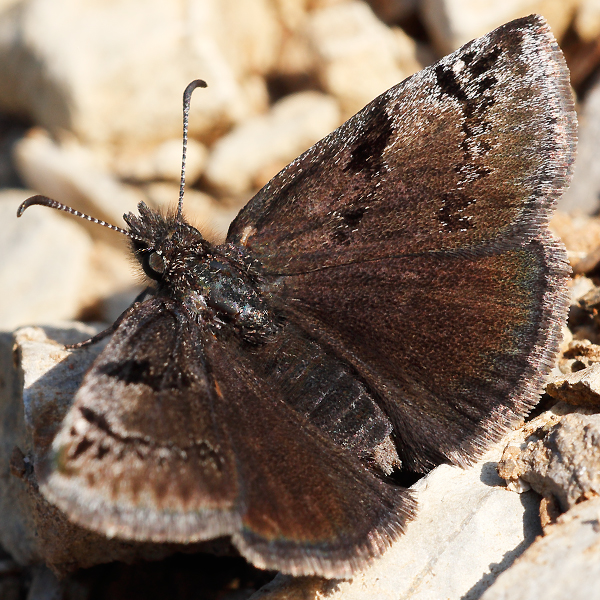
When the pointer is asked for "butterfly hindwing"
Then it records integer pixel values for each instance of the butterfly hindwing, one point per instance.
(180, 441)
(454, 347)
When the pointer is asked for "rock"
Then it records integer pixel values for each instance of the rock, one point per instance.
(579, 389)
(69, 173)
(255, 151)
(560, 460)
(581, 235)
(452, 23)
(579, 286)
(45, 266)
(576, 356)
(112, 281)
(468, 529)
(249, 34)
(11, 583)
(584, 192)
(564, 563)
(587, 20)
(358, 54)
(69, 74)
(162, 162)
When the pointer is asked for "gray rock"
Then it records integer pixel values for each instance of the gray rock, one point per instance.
(584, 193)
(255, 151)
(560, 460)
(468, 528)
(44, 270)
(564, 563)
(581, 388)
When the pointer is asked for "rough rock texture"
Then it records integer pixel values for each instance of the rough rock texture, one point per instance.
(581, 388)
(560, 461)
(564, 563)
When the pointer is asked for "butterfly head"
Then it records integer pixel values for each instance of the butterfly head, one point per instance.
(165, 246)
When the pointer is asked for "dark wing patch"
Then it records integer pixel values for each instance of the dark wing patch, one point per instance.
(489, 130)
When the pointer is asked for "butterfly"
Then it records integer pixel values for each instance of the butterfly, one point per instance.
(390, 301)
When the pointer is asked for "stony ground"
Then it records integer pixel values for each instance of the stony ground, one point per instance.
(90, 114)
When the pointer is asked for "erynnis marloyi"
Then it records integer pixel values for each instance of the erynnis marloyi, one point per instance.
(391, 300)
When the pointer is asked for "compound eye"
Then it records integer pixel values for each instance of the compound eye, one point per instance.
(154, 265)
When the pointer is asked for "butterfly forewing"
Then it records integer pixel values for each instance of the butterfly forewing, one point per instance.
(471, 151)
(142, 454)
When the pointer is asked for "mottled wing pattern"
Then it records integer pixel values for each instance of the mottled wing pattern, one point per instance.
(472, 151)
(140, 432)
(412, 242)
(180, 441)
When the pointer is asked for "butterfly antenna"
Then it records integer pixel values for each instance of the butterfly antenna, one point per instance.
(187, 97)
(45, 201)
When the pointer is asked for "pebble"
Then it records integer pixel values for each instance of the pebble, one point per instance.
(564, 563)
(560, 459)
(358, 55)
(70, 173)
(45, 258)
(255, 151)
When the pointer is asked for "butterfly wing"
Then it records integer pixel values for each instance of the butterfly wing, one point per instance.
(309, 505)
(142, 427)
(172, 437)
(455, 347)
(472, 151)
(412, 242)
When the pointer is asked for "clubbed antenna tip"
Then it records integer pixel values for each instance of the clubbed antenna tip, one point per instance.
(187, 97)
(45, 201)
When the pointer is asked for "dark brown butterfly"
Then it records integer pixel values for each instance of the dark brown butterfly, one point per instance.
(391, 300)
